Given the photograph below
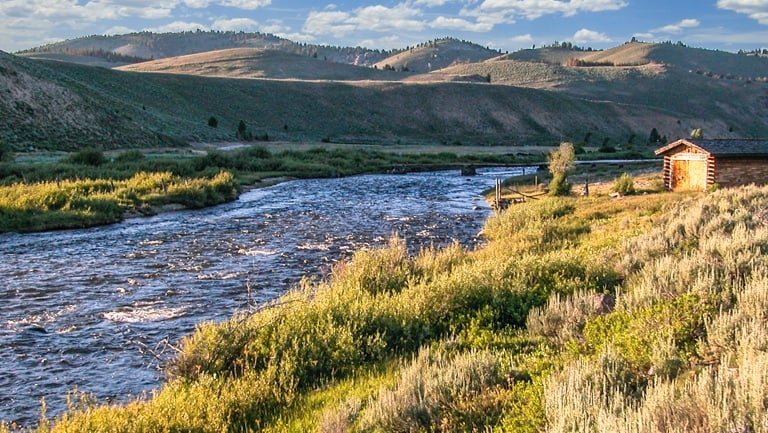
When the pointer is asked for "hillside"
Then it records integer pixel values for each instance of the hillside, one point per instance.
(259, 63)
(40, 107)
(59, 105)
(142, 46)
(698, 60)
(675, 89)
(727, 91)
(435, 55)
(548, 55)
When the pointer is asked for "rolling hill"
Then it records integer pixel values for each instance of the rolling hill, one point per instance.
(435, 55)
(60, 105)
(726, 91)
(260, 63)
(118, 50)
(532, 97)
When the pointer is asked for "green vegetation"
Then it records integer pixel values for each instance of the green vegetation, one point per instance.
(87, 188)
(580, 314)
(83, 203)
(625, 184)
(560, 162)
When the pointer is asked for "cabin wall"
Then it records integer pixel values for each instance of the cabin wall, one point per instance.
(734, 172)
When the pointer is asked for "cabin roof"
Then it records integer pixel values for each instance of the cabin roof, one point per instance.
(721, 147)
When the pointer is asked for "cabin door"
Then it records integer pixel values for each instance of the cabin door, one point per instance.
(689, 172)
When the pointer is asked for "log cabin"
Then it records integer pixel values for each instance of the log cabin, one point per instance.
(691, 164)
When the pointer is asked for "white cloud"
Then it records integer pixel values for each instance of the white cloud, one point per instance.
(585, 35)
(460, 24)
(522, 39)
(381, 18)
(385, 43)
(401, 17)
(755, 9)
(329, 23)
(275, 26)
(235, 24)
(678, 27)
(533, 9)
(642, 36)
(245, 4)
(430, 3)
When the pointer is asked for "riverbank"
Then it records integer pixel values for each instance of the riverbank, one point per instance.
(29, 201)
(87, 189)
(525, 334)
(84, 307)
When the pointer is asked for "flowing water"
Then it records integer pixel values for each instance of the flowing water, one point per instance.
(95, 309)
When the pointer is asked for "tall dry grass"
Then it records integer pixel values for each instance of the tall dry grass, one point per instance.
(695, 297)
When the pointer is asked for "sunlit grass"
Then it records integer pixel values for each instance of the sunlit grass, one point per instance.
(645, 313)
(72, 203)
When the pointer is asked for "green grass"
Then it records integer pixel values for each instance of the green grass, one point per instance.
(508, 337)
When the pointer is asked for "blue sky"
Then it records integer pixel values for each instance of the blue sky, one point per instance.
(508, 25)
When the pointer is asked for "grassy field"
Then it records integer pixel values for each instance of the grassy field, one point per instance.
(590, 314)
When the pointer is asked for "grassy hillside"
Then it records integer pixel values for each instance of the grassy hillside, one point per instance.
(142, 46)
(435, 55)
(547, 55)
(676, 79)
(146, 109)
(646, 313)
(59, 105)
(41, 107)
(260, 63)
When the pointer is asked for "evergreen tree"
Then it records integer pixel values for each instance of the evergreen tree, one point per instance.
(242, 130)
(654, 137)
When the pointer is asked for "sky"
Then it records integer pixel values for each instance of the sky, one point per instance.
(507, 25)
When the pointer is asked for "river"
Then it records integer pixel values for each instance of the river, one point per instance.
(95, 309)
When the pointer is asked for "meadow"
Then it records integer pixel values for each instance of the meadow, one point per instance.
(645, 313)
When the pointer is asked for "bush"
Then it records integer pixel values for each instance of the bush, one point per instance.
(129, 156)
(559, 186)
(625, 184)
(88, 156)
(6, 153)
(437, 389)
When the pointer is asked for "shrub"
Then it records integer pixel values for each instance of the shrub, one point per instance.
(625, 184)
(563, 318)
(559, 185)
(129, 156)
(88, 156)
(438, 390)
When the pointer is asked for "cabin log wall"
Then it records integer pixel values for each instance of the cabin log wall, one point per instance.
(734, 172)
